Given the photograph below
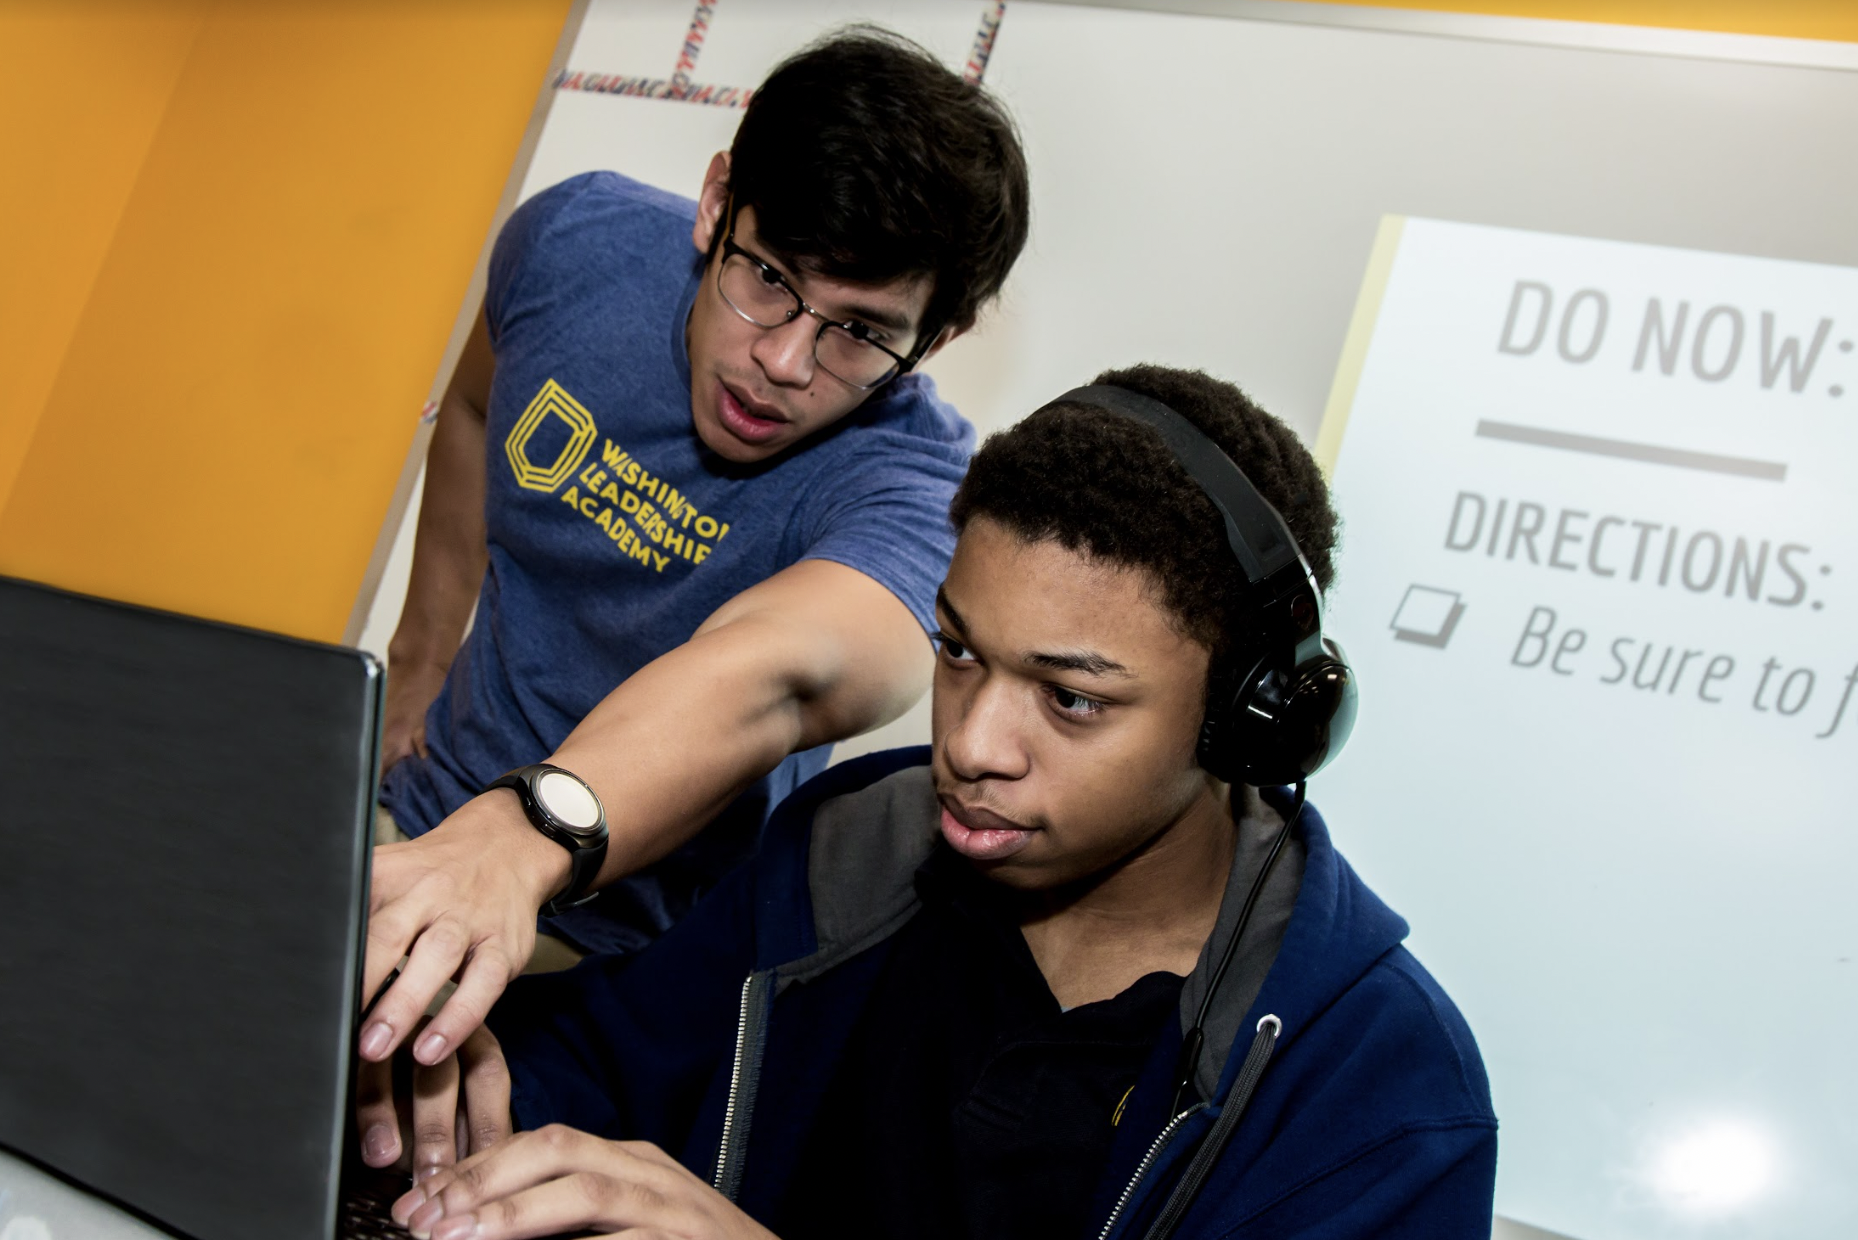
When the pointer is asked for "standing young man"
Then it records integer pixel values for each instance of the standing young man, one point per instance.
(698, 499)
(1045, 980)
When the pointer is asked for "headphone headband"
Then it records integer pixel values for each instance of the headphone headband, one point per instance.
(1261, 542)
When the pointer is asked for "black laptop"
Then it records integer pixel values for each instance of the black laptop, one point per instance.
(185, 815)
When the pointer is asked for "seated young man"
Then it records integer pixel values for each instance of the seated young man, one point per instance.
(1042, 979)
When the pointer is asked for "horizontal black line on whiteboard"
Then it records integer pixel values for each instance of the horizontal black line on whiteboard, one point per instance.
(1651, 453)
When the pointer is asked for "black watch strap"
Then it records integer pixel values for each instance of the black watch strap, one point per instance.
(583, 866)
(583, 833)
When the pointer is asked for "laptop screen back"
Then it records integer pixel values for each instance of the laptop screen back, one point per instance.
(183, 849)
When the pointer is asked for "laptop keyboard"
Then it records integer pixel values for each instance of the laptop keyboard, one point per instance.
(365, 1202)
(365, 1205)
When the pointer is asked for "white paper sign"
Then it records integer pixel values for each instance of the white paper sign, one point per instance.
(1597, 581)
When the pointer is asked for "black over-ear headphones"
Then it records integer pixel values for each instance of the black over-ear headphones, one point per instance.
(1288, 705)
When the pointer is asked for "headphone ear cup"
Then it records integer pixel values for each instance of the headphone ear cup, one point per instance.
(1224, 741)
(1214, 751)
(1339, 687)
(1280, 725)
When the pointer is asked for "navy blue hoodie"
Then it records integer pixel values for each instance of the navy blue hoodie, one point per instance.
(1371, 1118)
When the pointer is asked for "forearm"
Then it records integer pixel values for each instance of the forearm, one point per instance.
(814, 655)
(665, 752)
(449, 542)
(448, 548)
(683, 737)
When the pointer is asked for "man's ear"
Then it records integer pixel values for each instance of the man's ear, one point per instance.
(711, 201)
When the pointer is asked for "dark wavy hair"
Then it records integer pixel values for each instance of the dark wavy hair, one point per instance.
(1106, 485)
(866, 159)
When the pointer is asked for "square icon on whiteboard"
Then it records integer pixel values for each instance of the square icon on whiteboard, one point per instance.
(1427, 616)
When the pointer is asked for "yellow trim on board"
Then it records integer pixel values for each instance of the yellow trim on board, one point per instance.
(1355, 347)
(1795, 19)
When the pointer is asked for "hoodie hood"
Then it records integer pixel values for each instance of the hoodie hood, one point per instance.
(1338, 931)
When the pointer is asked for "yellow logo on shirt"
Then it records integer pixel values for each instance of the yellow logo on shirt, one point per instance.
(646, 518)
(552, 401)
(632, 506)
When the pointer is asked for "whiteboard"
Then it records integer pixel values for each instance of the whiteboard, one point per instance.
(1600, 527)
(1207, 192)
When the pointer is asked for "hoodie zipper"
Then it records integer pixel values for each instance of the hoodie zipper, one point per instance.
(743, 1078)
(1238, 1098)
(1142, 1169)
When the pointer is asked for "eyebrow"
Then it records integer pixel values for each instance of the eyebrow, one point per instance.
(941, 600)
(891, 322)
(1087, 661)
(791, 271)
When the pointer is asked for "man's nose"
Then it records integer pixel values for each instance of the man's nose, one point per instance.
(987, 739)
(785, 353)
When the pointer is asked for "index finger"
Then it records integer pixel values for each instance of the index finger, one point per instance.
(377, 1120)
(486, 1085)
(435, 1117)
(436, 956)
(390, 934)
(383, 957)
(481, 979)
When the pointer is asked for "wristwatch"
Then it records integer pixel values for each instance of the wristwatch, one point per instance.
(561, 806)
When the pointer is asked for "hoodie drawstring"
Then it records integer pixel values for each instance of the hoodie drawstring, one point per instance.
(1195, 1037)
(1202, 1165)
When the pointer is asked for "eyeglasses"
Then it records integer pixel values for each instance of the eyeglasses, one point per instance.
(756, 291)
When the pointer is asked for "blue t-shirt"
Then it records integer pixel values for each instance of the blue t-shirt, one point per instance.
(613, 532)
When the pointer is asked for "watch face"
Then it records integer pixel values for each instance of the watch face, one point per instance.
(569, 801)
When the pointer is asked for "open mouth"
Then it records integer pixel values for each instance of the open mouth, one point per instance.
(748, 420)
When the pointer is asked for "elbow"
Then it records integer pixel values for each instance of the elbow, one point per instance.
(813, 686)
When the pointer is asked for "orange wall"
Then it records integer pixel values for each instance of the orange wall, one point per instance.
(231, 317)
(68, 161)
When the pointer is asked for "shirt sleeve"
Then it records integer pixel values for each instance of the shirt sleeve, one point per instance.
(884, 511)
(522, 247)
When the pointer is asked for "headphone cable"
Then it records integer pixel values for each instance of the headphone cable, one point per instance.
(1196, 1036)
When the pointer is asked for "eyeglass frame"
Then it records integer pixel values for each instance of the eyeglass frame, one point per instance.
(904, 364)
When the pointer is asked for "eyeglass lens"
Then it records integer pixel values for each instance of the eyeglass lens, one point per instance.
(759, 295)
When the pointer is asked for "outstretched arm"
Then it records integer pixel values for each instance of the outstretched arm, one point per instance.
(815, 653)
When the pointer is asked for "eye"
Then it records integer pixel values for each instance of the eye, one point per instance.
(769, 276)
(951, 649)
(1074, 705)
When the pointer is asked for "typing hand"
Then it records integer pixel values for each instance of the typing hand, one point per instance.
(557, 1179)
(460, 1107)
(459, 904)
